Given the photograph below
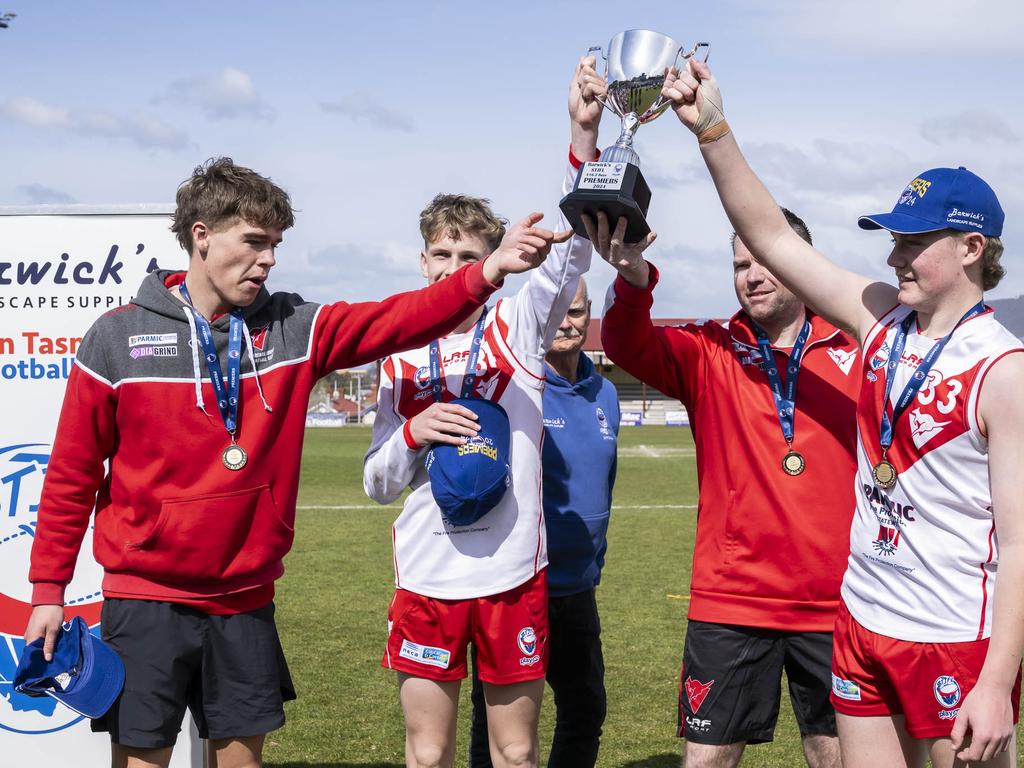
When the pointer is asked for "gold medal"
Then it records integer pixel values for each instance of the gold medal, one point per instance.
(234, 457)
(884, 474)
(793, 463)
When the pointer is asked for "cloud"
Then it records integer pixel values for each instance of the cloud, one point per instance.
(361, 108)
(350, 271)
(143, 130)
(225, 95)
(39, 194)
(939, 29)
(35, 114)
(973, 126)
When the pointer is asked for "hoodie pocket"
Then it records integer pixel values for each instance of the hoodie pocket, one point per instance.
(212, 538)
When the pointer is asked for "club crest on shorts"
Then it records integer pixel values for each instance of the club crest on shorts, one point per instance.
(947, 691)
(527, 641)
(696, 692)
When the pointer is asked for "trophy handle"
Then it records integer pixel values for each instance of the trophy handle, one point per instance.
(697, 47)
(598, 99)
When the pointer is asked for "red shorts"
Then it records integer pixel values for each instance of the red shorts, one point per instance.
(427, 637)
(874, 675)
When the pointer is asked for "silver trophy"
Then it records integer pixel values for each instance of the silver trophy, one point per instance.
(635, 67)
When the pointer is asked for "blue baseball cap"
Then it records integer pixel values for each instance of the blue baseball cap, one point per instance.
(469, 480)
(85, 674)
(942, 198)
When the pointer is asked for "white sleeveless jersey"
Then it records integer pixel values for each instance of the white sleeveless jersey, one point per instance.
(924, 555)
(507, 546)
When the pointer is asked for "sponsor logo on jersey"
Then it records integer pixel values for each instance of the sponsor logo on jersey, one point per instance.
(880, 358)
(422, 377)
(259, 338)
(892, 517)
(747, 355)
(152, 339)
(923, 426)
(843, 358)
(888, 540)
(845, 689)
(425, 654)
(554, 422)
(696, 692)
(259, 342)
(138, 352)
(601, 418)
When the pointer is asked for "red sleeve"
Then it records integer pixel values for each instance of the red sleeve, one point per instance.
(347, 335)
(669, 359)
(86, 435)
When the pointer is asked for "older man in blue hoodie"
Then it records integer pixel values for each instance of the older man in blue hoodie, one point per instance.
(581, 425)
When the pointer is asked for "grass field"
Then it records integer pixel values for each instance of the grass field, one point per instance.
(333, 599)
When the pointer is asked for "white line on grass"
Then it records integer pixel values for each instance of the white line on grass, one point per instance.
(655, 452)
(614, 506)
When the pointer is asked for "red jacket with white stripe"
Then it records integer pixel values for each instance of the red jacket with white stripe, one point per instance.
(172, 522)
(771, 548)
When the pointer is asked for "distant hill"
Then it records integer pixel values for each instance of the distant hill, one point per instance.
(1010, 313)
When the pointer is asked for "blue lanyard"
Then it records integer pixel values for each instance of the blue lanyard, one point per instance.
(469, 380)
(917, 380)
(785, 398)
(227, 397)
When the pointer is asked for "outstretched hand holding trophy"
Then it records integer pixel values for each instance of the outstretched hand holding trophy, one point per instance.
(636, 63)
(696, 100)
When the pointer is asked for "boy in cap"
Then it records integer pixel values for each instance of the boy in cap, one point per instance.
(197, 509)
(461, 580)
(927, 652)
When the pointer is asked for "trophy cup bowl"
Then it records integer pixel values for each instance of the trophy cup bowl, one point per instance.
(635, 67)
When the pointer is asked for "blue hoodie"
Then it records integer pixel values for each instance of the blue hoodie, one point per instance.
(581, 426)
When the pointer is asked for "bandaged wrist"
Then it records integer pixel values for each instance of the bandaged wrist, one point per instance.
(714, 133)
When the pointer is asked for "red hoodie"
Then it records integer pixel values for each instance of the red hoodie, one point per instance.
(172, 522)
(771, 549)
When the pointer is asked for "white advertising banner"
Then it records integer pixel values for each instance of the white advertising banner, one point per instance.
(59, 270)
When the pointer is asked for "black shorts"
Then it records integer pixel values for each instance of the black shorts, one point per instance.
(731, 683)
(229, 671)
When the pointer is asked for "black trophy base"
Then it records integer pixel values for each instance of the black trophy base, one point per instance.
(618, 189)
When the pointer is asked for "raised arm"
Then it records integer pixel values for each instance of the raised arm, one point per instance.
(541, 304)
(348, 335)
(668, 359)
(846, 299)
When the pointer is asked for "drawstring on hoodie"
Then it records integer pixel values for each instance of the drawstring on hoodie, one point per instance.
(198, 378)
(194, 344)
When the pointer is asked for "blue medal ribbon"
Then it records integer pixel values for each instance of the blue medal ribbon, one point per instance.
(227, 395)
(784, 397)
(469, 380)
(919, 376)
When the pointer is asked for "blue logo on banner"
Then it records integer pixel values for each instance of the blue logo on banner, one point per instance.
(22, 468)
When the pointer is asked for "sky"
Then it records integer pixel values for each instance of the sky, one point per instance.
(365, 111)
